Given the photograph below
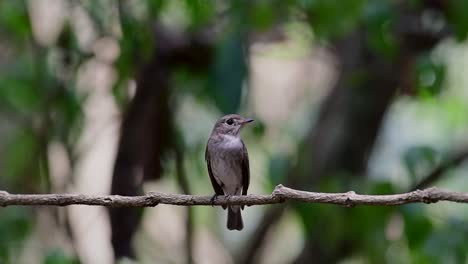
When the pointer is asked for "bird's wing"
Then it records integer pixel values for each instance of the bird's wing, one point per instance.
(217, 188)
(245, 170)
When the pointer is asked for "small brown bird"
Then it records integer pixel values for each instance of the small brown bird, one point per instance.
(228, 164)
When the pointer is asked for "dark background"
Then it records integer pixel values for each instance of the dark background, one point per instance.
(119, 97)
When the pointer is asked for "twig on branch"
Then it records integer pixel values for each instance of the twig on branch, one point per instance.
(279, 195)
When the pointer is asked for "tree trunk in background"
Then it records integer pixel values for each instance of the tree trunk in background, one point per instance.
(147, 132)
(352, 113)
(347, 127)
(143, 140)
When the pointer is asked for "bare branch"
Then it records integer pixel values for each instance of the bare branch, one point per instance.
(279, 195)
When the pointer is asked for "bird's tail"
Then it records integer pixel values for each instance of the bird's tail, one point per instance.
(234, 219)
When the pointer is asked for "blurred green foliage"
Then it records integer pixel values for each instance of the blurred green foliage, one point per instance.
(418, 160)
(229, 73)
(380, 19)
(458, 18)
(430, 76)
(58, 257)
(329, 18)
(40, 104)
(15, 225)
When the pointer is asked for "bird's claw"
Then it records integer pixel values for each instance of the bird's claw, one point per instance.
(213, 199)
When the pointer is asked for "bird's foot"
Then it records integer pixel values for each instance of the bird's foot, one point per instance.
(213, 199)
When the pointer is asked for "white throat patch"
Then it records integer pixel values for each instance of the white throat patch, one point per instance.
(230, 141)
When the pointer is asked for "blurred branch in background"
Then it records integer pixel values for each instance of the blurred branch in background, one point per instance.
(439, 171)
(254, 246)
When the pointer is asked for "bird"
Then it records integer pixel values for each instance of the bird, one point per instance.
(228, 164)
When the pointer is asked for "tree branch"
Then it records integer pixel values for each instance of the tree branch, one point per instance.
(279, 195)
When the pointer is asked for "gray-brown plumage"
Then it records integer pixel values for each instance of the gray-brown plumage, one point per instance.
(228, 163)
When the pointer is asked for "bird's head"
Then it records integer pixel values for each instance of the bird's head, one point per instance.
(230, 124)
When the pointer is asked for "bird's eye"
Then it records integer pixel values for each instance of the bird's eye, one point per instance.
(230, 121)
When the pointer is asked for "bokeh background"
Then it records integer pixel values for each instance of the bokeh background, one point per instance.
(119, 97)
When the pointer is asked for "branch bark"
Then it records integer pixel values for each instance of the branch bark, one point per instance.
(279, 195)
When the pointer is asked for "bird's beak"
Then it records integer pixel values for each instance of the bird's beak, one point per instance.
(247, 120)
